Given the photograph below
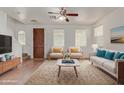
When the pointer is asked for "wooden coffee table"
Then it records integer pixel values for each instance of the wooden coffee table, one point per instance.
(75, 64)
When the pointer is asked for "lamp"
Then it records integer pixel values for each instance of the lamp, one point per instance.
(94, 46)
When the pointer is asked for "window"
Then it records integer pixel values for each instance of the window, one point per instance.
(98, 34)
(80, 38)
(21, 37)
(98, 31)
(58, 37)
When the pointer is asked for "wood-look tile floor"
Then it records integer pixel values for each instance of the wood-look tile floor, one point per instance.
(19, 75)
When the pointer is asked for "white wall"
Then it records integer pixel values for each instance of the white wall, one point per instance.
(112, 20)
(3, 23)
(7, 27)
(16, 47)
(69, 36)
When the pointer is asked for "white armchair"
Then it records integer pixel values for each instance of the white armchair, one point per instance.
(56, 53)
(75, 52)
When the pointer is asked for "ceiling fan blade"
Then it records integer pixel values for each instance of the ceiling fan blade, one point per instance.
(52, 13)
(72, 14)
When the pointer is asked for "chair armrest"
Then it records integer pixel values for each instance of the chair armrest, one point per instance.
(119, 60)
(49, 52)
(120, 71)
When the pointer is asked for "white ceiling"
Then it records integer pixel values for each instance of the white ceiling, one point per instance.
(87, 15)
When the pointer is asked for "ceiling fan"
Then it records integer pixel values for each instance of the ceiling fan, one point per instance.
(63, 14)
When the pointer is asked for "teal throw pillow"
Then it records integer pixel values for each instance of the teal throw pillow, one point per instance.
(109, 55)
(100, 53)
(117, 55)
(121, 54)
(122, 57)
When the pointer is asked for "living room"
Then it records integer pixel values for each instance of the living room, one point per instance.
(85, 31)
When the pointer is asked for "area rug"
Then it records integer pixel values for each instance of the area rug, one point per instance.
(88, 74)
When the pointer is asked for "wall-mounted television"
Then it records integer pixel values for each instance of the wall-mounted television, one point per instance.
(5, 44)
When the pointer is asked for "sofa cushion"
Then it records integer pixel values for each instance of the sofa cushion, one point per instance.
(100, 53)
(56, 55)
(76, 55)
(110, 66)
(97, 60)
(109, 55)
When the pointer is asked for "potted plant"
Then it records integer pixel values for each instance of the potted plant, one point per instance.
(67, 56)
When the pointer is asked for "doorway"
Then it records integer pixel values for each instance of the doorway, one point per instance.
(38, 43)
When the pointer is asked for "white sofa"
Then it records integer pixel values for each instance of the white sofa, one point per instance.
(113, 67)
(105, 64)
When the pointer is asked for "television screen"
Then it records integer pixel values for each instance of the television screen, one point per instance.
(5, 44)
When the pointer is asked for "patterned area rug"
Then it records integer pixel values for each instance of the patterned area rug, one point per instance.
(88, 74)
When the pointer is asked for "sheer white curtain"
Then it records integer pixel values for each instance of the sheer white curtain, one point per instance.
(80, 38)
(58, 37)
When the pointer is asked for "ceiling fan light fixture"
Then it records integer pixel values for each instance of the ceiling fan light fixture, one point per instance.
(67, 20)
(62, 18)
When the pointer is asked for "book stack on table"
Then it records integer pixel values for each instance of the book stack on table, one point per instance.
(68, 62)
